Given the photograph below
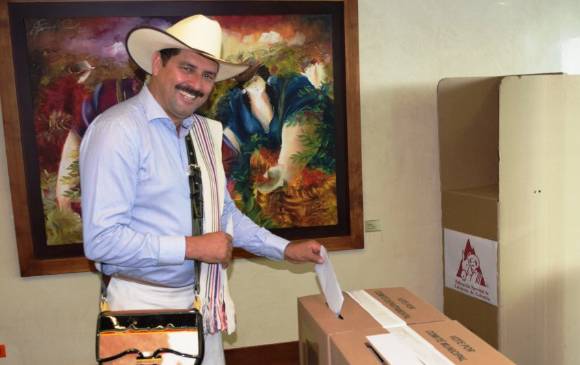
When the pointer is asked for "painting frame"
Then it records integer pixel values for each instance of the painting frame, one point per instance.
(34, 262)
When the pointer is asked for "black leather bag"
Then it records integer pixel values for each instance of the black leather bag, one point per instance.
(149, 337)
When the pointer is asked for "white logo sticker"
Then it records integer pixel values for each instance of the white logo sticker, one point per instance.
(471, 265)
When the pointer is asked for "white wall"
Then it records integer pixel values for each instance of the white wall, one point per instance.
(405, 48)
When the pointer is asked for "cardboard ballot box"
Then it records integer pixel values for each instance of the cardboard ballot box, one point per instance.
(347, 348)
(317, 323)
(451, 342)
(459, 344)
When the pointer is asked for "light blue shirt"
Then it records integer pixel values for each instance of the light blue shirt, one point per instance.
(135, 197)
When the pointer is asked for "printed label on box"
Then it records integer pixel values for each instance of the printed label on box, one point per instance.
(471, 265)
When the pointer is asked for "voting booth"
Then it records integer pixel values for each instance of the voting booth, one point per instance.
(386, 325)
(510, 172)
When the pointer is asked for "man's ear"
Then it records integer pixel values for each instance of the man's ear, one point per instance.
(156, 63)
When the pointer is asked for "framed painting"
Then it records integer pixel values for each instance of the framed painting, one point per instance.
(291, 124)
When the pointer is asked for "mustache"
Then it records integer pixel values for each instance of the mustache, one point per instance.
(189, 90)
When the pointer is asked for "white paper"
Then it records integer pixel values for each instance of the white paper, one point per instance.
(393, 351)
(328, 283)
(423, 350)
(386, 318)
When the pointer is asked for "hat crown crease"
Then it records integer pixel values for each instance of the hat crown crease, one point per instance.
(197, 33)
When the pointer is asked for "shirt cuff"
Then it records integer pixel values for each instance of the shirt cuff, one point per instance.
(171, 250)
(274, 246)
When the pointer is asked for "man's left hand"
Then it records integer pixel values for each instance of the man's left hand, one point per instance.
(305, 251)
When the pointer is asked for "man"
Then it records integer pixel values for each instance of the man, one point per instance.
(137, 212)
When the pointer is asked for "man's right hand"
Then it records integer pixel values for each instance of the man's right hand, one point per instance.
(212, 248)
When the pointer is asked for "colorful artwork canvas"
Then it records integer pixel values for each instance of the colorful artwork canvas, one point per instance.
(279, 118)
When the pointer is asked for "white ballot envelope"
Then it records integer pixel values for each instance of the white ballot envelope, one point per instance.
(328, 283)
(393, 351)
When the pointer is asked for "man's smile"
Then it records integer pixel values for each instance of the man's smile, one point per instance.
(187, 96)
(188, 93)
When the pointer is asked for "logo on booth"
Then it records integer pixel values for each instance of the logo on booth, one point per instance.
(470, 267)
(476, 275)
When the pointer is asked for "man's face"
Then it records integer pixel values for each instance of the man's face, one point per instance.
(183, 84)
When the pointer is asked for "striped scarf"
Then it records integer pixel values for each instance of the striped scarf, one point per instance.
(217, 306)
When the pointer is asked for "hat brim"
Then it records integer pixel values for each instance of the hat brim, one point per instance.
(143, 42)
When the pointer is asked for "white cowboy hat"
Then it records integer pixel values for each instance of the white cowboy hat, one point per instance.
(197, 33)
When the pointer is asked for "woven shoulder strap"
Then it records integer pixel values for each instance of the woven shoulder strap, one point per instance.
(217, 307)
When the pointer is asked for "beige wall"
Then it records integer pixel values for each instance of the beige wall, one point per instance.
(405, 48)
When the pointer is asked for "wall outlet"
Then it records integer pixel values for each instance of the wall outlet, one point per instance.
(373, 225)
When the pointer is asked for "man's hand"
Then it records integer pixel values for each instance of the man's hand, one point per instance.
(212, 248)
(306, 251)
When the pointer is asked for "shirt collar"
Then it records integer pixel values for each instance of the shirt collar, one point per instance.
(154, 111)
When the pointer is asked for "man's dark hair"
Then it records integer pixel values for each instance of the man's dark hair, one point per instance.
(167, 53)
